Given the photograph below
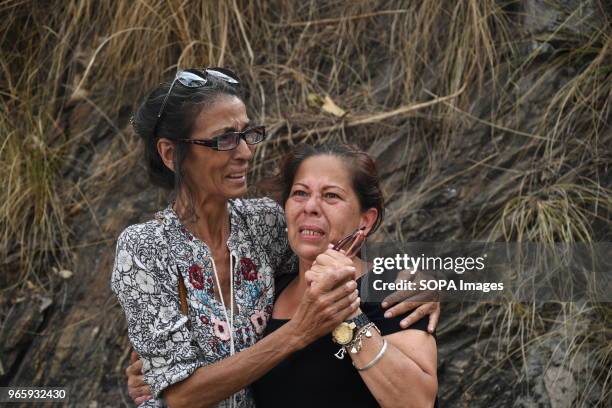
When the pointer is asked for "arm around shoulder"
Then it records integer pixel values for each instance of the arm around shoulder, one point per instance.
(266, 221)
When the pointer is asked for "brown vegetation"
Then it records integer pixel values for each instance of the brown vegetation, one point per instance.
(491, 120)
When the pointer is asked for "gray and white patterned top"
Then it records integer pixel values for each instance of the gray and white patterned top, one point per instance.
(148, 259)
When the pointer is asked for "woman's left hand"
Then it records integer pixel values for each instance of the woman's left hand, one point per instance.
(403, 302)
(420, 310)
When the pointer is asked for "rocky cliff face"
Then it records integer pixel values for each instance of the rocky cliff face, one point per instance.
(519, 151)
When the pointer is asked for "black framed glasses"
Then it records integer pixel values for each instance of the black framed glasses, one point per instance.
(196, 78)
(230, 140)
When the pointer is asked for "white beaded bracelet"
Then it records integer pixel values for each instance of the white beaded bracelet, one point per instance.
(375, 359)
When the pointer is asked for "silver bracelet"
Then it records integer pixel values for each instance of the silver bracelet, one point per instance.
(375, 359)
(355, 345)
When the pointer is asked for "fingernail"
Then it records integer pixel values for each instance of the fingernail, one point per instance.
(384, 304)
(351, 285)
(430, 329)
(388, 314)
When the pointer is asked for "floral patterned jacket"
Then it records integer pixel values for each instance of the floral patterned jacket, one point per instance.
(149, 258)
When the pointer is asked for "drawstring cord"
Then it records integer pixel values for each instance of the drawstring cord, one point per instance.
(229, 319)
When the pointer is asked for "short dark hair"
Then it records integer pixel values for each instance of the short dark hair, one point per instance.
(182, 108)
(362, 168)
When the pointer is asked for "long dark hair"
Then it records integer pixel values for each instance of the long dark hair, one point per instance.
(361, 166)
(182, 108)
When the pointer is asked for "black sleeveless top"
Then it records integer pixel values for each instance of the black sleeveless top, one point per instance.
(313, 377)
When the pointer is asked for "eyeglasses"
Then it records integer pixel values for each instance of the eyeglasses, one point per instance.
(196, 78)
(230, 140)
(351, 243)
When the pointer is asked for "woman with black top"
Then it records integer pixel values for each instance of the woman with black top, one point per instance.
(327, 192)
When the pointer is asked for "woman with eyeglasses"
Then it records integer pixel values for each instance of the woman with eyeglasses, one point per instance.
(196, 282)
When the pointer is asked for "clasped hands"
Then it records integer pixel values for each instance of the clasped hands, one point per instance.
(333, 268)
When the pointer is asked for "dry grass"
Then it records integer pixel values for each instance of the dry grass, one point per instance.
(531, 124)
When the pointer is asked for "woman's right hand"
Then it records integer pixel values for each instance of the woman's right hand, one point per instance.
(330, 299)
(138, 390)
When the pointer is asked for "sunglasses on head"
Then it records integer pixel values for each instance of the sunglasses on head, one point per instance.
(196, 78)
